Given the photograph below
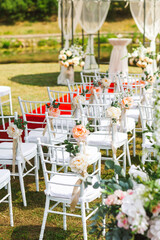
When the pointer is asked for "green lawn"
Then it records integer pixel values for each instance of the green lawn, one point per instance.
(30, 81)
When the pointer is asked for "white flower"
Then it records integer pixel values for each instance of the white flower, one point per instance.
(76, 61)
(135, 54)
(106, 82)
(62, 52)
(66, 64)
(69, 53)
(70, 61)
(13, 131)
(137, 172)
(79, 164)
(77, 99)
(82, 64)
(114, 112)
(154, 230)
(63, 57)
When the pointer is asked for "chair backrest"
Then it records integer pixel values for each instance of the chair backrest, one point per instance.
(49, 162)
(79, 88)
(98, 119)
(146, 116)
(61, 126)
(88, 78)
(114, 79)
(106, 98)
(50, 171)
(33, 113)
(5, 121)
(132, 83)
(65, 99)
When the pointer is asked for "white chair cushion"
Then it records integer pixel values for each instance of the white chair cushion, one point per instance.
(105, 140)
(61, 191)
(38, 133)
(133, 113)
(6, 150)
(4, 90)
(4, 177)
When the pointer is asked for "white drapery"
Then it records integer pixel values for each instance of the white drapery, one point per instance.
(65, 17)
(152, 20)
(93, 15)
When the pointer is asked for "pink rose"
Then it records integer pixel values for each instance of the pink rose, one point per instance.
(122, 220)
(54, 112)
(110, 200)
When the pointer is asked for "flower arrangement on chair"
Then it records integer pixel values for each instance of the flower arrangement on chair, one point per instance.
(79, 161)
(15, 130)
(53, 111)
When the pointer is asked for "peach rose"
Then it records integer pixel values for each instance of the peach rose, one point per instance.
(127, 102)
(80, 132)
(54, 112)
(97, 89)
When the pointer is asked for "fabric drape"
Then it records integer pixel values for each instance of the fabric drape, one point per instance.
(152, 20)
(93, 15)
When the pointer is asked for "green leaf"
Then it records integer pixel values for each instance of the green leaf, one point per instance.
(118, 169)
(109, 164)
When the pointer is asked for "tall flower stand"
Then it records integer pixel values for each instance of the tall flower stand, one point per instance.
(66, 73)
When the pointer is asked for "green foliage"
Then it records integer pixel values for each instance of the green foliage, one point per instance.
(71, 148)
(27, 9)
(20, 123)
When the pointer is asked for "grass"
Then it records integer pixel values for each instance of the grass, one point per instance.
(30, 81)
(20, 28)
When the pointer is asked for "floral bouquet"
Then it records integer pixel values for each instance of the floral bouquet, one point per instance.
(15, 130)
(141, 57)
(80, 133)
(114, 112)
(72, 57)
(53, 109)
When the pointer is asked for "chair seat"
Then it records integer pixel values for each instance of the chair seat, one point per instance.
(6, 150)
(91, 153)
(61, 191)
(102, 140)
(4, 177)
(130, 124)
(38, 133)
(133, 113)
(4, 90)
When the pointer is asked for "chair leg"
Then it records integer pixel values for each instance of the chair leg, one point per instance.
(144, 155)
(44, 217)
(84, 220)
(36, 173)
(104, 220)
(128, 154)
(134, 142)
(64, 217)
(124, 157)
(22, 183)
(10, 204)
